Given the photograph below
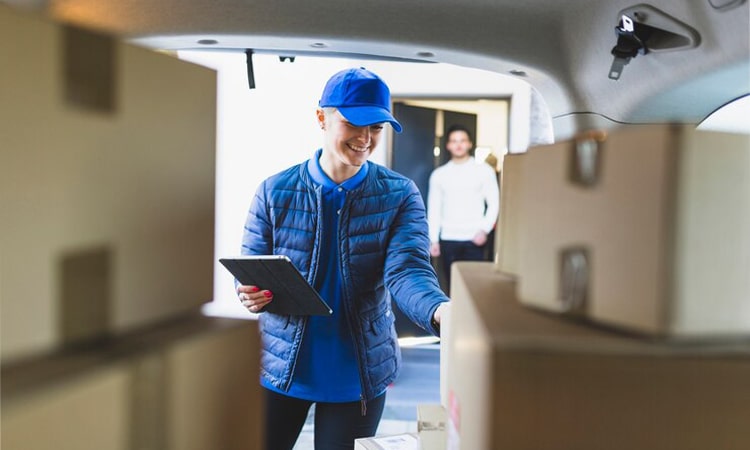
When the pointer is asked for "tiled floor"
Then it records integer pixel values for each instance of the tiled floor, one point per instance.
(418, 383)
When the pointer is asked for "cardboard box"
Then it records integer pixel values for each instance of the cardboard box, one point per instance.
(511, 214)
(523, 379)
(108, 176)
(430, 417)
(445, 336)
(431, 420)
(89, 412)
(188, 384)
(407, 441)
(432, 440)
(645, 229)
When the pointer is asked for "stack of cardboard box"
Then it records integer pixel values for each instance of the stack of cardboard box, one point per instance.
(107, 182)
(618, 312)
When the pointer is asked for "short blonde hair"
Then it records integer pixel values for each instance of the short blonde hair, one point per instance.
(329, 110)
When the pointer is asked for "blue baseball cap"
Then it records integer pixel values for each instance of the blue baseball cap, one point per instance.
(360, 96)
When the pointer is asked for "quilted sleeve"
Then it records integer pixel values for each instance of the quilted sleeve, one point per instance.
(409, 275)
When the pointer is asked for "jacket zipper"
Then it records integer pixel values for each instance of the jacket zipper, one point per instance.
(311, 279)
(296, 356)
(347, 310)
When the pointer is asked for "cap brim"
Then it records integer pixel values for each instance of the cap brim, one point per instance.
(363, 116)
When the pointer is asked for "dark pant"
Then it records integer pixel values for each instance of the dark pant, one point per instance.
(337, 425)
(451, 251)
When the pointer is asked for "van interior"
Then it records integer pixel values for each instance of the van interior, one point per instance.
(614, 308)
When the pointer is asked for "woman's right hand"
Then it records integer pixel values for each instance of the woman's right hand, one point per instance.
(254, 298)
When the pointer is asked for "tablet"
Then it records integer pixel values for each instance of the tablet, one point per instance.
(292, 294)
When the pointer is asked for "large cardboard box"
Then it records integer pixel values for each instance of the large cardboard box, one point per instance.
(523, 379)
(445, 336)
(213, 398)
(645, 228)
(188, 384)
(107, 174)
(88, 412)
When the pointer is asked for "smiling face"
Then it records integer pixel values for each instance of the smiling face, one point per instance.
(346, 147)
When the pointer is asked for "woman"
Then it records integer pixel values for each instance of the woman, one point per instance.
(357, 231)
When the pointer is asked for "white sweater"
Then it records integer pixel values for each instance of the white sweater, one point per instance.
(457, 198)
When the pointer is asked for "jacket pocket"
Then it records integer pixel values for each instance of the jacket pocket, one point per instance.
(382, 323)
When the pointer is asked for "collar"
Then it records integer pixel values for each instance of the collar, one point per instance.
(320, 178)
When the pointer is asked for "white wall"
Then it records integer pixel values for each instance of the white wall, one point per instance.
(265, 130)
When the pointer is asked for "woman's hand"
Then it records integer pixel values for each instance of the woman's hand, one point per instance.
(437, 317)
(254, 298)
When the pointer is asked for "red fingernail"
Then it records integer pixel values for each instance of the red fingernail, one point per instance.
(254, 289)
(268, 294)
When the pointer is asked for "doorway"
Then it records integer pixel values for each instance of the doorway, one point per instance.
(419, 149)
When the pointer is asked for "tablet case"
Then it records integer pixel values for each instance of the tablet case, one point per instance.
(292, 294)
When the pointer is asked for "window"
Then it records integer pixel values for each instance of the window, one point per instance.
(732, 117)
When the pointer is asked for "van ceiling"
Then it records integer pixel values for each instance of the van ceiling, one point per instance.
(563, 47)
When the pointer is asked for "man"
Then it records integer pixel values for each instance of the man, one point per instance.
(354, 229)
(462, 204)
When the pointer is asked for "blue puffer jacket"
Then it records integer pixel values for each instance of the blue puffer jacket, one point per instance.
(383, 245)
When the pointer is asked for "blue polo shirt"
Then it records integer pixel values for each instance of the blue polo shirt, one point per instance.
(326, 369)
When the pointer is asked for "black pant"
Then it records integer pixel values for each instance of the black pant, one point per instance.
(337, 425)
(451, 251)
